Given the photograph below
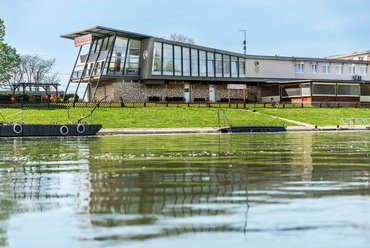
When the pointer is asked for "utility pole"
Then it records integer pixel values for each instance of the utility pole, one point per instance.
(245, 40)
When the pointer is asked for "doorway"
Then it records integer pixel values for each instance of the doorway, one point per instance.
(187, 92)
(212, 94)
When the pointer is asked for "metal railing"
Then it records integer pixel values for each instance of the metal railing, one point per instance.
(355, 121)
(14, 120)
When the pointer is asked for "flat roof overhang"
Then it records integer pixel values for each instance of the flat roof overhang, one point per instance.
(323, 81)
(100, 32)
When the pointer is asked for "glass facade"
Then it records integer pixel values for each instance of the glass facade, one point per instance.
(242, 67)
(210, 64)
(234, 67)
(167, 59)
(324, 89)
(194, 63)
(132, 60)
(118, 56)
(226, 66)
(202, 64)
(186, 61)
(218, 65)
(306, 89)
(176, 60)
(157, 59)
(348, 90)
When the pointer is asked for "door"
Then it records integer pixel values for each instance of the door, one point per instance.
(187, 92)
(212, 95)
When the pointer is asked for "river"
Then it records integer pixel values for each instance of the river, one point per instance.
(206, 190)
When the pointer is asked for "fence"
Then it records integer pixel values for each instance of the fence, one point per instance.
(354, 121)
(234, 105)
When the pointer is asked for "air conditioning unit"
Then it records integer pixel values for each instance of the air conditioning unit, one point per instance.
(357, 77)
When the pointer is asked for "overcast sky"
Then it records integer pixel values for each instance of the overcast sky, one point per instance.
(300, 28)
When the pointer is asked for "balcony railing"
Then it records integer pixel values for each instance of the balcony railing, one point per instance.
(111, 71)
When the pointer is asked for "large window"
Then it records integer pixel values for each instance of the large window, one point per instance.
(132, 63)
(226, 66)
(324, 89)
(241, 67)
(339, 68)
(348, 90)
(118, 56)
(291, 91)
(234, 66)
(299, 67)
(363, 69)
(351, 69)
(194, 63)
(306, 89)
(157, 59)
(186, 61)
(313, 67)
(210, 64)
(218, 65)
(202, 63)
(365, 89)
(167, 59)
(326, 68)
(177, 61)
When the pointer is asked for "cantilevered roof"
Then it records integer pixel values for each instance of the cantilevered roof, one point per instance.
(99, 31)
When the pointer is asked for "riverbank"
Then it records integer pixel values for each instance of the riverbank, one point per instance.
(198, 130)
(186, 120)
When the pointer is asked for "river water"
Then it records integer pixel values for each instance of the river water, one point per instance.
(212, 190)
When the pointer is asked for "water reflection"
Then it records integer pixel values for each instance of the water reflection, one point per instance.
(118, 189)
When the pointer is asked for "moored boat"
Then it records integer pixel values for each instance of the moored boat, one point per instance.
(24, 130)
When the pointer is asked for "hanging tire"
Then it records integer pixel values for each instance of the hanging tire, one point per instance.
(17, 128)
(64, 130)
(81, 128)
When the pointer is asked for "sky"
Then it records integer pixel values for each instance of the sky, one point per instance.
(300, 28)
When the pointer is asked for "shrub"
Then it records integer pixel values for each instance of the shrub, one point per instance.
(14, 98)
(32, 98)
(55, 98)
(45, 98)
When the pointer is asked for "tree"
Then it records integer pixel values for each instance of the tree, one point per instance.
(181, 38)
(9, 58)
(34, 69)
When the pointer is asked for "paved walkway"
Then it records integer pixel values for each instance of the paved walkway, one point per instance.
(195, 130)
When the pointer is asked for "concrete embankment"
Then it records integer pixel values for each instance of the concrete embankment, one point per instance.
(195, 130)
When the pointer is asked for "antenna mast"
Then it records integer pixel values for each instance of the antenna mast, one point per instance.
(245, 40)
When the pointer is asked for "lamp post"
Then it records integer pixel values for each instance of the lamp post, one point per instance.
(277, 113)
(90, 96)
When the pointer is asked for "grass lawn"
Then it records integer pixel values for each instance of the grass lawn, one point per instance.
(146, 117)
(319, 116)
(157, 117)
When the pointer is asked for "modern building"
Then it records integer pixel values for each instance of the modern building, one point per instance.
(135, 67)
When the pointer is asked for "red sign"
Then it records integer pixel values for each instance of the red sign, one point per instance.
(236, 86)
(83, 40)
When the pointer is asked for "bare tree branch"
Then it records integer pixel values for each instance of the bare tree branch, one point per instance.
(181, 38)
(83, 117)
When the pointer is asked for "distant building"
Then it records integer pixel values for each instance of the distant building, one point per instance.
(137, 67)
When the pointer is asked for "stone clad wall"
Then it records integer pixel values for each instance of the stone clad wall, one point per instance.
(137, 92)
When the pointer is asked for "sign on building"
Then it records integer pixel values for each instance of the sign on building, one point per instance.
(236, 86)
(83, 40)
